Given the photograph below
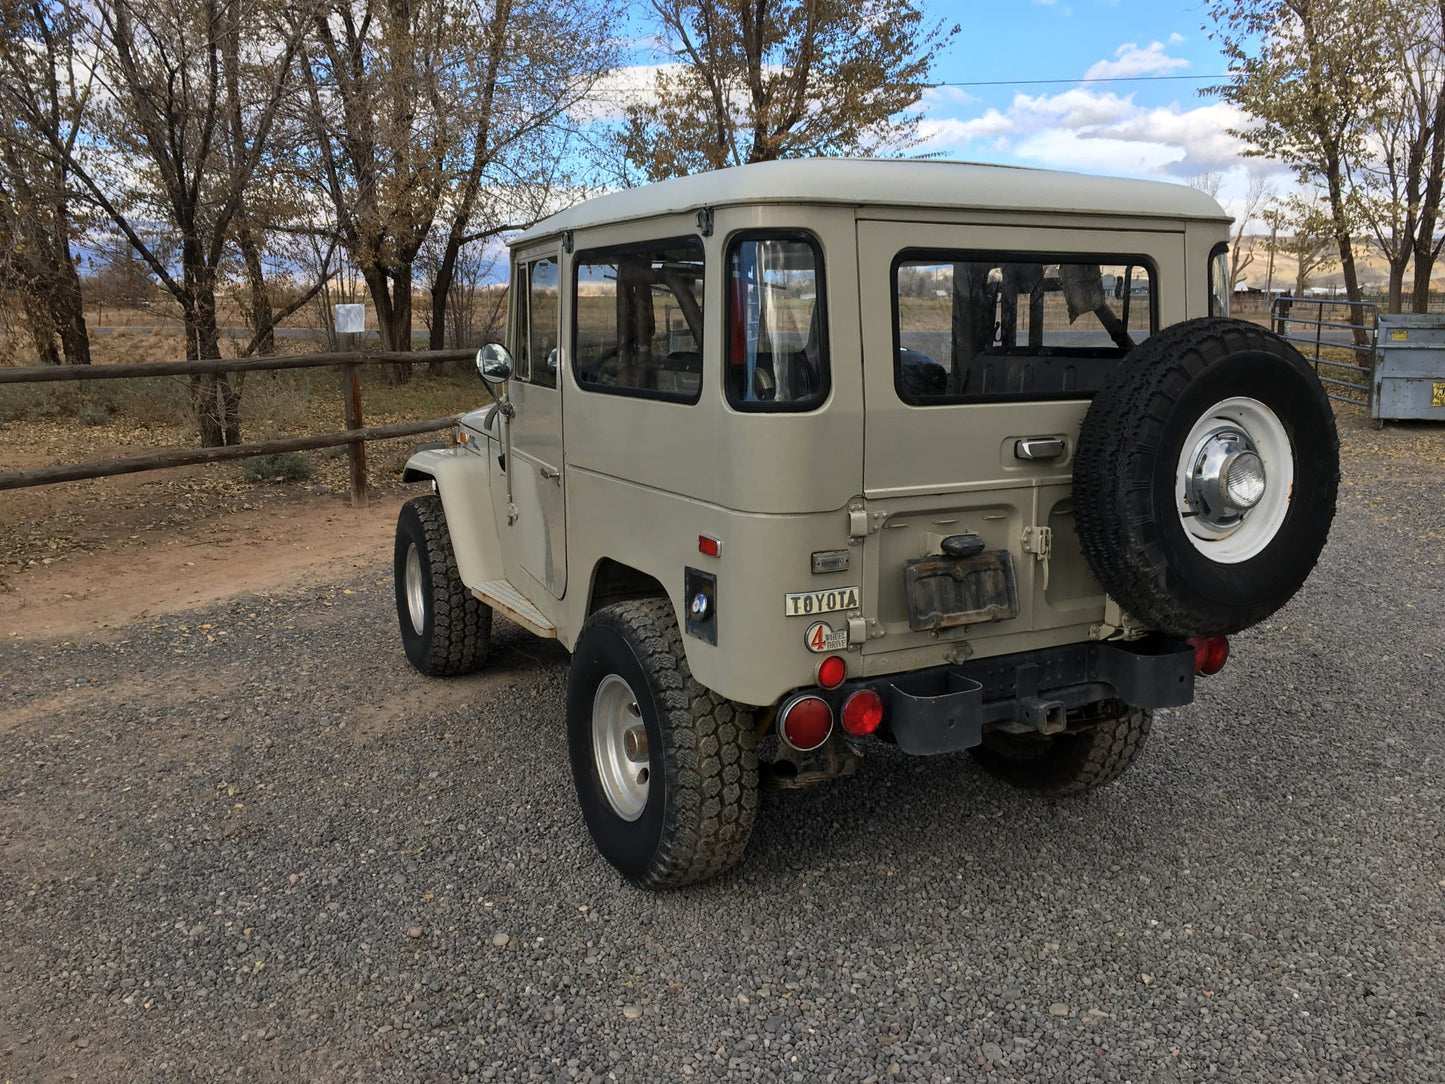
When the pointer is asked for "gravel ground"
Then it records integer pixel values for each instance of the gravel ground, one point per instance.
(251, 843)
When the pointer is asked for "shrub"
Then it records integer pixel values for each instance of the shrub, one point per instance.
(281, 467)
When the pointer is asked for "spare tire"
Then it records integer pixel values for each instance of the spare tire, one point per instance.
(1205, 477)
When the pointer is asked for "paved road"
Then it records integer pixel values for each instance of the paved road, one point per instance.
(249, 843)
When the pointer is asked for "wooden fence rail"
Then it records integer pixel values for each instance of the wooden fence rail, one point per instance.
(355, 435)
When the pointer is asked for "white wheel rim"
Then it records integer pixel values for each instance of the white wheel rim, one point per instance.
(619, 747)
(415, 589)
(1251, 428)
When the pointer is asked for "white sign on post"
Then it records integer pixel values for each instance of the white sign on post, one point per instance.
(350, 319)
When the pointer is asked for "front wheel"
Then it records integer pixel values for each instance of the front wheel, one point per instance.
(445, 629)
(666, 772)
(1101, 743)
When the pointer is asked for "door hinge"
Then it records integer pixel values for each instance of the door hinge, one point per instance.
(1040, 542)
(862, 523)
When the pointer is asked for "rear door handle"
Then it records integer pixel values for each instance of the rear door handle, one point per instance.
(1039, 448)
(551, 474)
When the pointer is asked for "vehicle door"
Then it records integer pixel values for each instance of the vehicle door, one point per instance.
(538, 528)
(982, 346)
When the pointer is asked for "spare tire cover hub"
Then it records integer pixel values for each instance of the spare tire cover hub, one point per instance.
(1234, 480)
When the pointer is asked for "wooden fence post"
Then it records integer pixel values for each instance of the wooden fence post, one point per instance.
(351, 390)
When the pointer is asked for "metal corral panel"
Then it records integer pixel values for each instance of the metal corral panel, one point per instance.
(1410, 375)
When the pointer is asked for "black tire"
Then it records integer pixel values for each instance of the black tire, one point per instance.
(1110, 738)
(456, 627)
(1132, 530)
(702, 785)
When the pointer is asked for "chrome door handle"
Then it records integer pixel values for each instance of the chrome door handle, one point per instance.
(1039, 448)
(551, 474)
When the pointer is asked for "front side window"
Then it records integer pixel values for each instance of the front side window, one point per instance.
(777, 357)
(1219, 280)
(977, 327)
(542, 322)
(638, 320)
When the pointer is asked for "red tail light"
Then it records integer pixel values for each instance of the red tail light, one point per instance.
(805, 723)
(832, 672)
(1210, 653)
(862, 712)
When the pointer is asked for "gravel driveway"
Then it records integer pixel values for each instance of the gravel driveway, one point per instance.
(251, 843)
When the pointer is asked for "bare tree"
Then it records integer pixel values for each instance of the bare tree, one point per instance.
(44, 88)
(758, 80)
(1400, 180)
(161, 153)
(1256, 195)
(1310, 74)
(1302, 228)
(418, 107)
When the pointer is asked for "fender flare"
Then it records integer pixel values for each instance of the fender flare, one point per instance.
(460, 478)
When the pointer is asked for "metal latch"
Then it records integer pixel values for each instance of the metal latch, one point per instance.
(1040, 542)
(1117, 624)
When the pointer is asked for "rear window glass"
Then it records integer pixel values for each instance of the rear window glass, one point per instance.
(978, 327)
(638, 322)
(777, 355)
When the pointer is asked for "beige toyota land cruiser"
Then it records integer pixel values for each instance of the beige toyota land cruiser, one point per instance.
(806, 456)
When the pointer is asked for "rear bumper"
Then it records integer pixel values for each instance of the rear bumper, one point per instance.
(947, 708)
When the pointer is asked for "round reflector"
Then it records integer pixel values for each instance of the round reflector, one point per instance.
(832, 671)
(805, 723)
(862, 712)
(1210, 654)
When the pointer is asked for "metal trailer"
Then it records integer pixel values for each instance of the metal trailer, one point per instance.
(1410, 368)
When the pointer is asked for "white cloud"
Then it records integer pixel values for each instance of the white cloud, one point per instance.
(1072, 109)
(1059, 148)
(942, 131)
(1096, 131)
(1177, 38)
(1130, 60)
(1198, 134)
(618, 89)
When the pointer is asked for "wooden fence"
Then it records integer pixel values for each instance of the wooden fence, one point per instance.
(355, 435)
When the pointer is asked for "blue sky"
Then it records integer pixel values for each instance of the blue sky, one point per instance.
(1149, 120)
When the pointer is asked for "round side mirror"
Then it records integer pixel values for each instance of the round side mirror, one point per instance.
(494, 363)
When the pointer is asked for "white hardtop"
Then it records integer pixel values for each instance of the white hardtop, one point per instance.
(889, 182)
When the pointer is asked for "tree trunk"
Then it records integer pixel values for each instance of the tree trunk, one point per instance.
(1334, 177)
(214, 400)
(42, 331)
(1397, 284)
(261, 313)
(441, 289)
(66, 302)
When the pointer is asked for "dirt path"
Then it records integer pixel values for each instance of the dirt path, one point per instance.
(129, 570)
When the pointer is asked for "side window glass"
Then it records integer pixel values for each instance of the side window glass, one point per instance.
(638, 320)
(542, 322)
(973, 327)
(1219, 281)
(777, 351)
(521, 336)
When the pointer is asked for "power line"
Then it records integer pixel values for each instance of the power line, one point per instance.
(1095, 79)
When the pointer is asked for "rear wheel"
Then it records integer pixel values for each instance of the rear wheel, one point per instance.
(445, 629)
(666, 771)
(1102, 742)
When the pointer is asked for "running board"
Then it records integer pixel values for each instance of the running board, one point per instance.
(501, 596)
